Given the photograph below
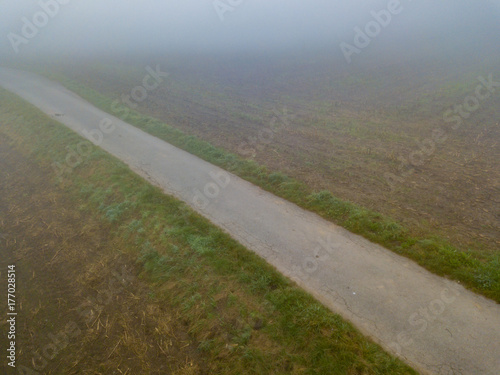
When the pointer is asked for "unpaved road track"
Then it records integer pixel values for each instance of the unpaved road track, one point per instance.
(436, 325)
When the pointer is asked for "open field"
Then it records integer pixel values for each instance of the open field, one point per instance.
(344, 133)
(192, 301)
(261, 187)
(354, 137)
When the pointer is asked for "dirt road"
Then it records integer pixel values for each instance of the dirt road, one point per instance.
(435, 325)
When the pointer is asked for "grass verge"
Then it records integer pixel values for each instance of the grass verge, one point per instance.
(245, 317)
(479, 273)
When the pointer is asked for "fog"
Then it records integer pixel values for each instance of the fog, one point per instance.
(113, 27)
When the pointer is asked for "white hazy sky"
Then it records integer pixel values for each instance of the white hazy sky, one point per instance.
(150, 25)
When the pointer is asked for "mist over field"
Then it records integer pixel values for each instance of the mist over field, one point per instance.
(379, 116)
(89, 28)
(368, 84)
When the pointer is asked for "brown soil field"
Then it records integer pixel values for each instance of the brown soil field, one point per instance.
(346, 141)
